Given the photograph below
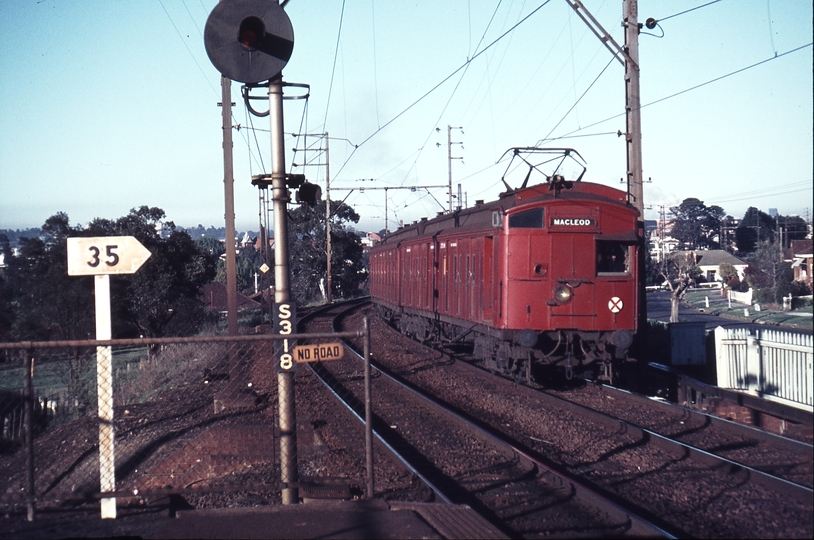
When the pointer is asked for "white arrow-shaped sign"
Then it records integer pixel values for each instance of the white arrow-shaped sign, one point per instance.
(100, 257)
(105, 255)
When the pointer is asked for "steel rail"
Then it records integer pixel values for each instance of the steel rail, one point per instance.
(638, 525)
(395, 453)
(794, 490)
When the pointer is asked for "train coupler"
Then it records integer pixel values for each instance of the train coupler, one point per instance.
(607, 372)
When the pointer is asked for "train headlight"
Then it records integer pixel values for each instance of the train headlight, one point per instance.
(562, 294)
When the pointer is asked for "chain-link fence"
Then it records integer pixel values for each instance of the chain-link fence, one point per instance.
(125, 421)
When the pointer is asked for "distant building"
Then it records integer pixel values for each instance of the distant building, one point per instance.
(708, 261)
(800, 256)
(371, 239)
(213, 295)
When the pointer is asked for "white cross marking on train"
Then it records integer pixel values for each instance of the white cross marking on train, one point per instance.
(615, 304)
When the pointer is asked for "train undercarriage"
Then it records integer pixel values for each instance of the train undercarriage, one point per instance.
(521, 355)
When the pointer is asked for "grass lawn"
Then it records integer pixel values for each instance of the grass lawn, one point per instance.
(769, 315)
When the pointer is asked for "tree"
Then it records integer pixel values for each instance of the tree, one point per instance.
(45, 303)
(6, 292)
(212, 245)
(755, 227)
(696, 225)
(768, 274)
(791, 228)
(162, 298)
(680, 272)
(308, 252)
(729, 274)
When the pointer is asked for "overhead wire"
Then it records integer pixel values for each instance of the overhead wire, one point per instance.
(795, 187)
(441, 83)
(688, 10)
(448, 77)
(333, 68)
(580, 98)
(186, 46)
(686, 90)
(452, 94)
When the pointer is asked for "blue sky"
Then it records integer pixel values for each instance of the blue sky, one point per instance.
(110, 105)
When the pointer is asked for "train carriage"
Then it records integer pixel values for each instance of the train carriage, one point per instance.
(546, 275)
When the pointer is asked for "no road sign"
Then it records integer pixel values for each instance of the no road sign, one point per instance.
(318, 353)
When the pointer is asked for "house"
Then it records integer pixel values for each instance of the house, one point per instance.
(709, 261)
(801, 259)
(213, 295)
(371, 239)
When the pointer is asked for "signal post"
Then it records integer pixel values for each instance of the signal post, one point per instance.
(250, 41)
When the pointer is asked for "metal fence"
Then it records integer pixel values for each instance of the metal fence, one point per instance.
(128, 420)
(770, 363)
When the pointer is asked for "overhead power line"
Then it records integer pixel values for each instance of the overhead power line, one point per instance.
(697, 86)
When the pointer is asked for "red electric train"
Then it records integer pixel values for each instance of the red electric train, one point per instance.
(544, 276)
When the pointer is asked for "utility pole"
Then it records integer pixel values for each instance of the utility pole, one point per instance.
(633, 106)
(305, 163)
(411, 188)
(328, 278)
(229, 205)
(450, 158)
(629, 58)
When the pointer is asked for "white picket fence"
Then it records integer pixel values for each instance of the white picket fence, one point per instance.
(769, 363)
(740, 297)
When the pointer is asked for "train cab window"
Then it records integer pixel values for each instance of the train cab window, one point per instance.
(612, 257)
(528, 219)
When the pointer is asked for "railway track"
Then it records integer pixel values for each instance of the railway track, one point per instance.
(680, 483)
(466, 464)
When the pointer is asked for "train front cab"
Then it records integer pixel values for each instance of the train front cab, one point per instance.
(570, 280)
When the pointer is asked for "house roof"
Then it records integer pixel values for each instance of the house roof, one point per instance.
(711, 257)
(213, 295)
(714, 257)
(801, 248)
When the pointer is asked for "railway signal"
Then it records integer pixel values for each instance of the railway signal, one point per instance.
(249, 40)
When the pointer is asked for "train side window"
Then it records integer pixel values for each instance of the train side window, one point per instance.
(612, 257)
(528, 219)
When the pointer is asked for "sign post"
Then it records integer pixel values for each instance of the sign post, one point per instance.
(99, 257)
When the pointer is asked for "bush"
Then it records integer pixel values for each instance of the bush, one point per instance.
(764, 296)
(799, 288)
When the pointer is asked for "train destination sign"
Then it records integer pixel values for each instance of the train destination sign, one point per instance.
(318, 353)
(95, 256)
(573, 222)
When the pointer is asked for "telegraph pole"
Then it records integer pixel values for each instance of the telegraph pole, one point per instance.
(229, 205)
(629, 58)
(326, 149)
(450, 158)
(328, 278)
(633, 106)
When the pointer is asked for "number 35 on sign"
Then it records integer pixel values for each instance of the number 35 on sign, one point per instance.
(96, 256)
